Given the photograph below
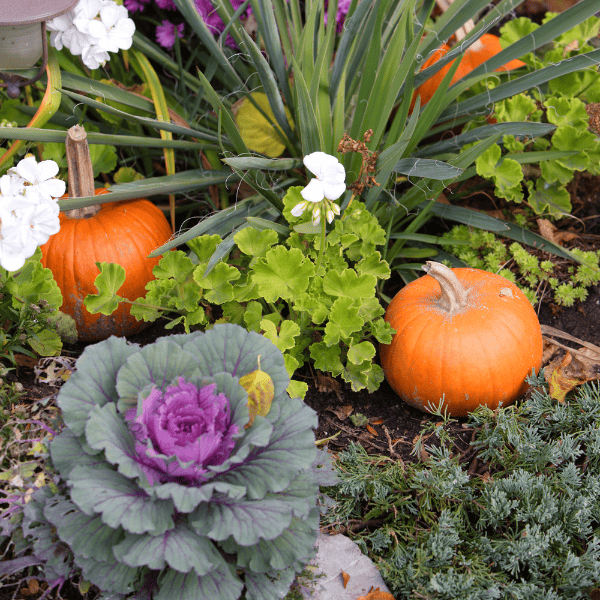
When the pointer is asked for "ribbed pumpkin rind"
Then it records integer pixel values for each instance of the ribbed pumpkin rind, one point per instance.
(480, 355)
(121, 232)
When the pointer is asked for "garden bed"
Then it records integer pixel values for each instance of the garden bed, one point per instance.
(415, 486)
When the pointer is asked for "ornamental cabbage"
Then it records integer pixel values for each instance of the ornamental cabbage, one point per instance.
(163, 489)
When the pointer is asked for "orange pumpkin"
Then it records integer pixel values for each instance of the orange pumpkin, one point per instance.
(485, 47)
(117, 232)
(464, 335)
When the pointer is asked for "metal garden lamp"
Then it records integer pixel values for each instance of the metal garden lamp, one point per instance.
(23, 38)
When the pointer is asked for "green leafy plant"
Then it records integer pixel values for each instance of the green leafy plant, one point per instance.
(313, 296)
(535, 276)
(537, 170)
(220, 507)
(319, 83)
(525, 526)
(29, 302)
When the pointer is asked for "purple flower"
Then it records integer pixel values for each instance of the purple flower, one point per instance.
(165, 33)
(181, 432)
(166, 4)
(135, 5)
(211, 17)
(342, 10)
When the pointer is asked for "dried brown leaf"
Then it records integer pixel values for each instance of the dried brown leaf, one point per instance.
(342, 412)
(549, 231)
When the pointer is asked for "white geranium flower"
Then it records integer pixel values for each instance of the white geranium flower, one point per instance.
(28, 209)
(41, 178)
(328, 185)
(12, 184)
(93, 57)
(36, 225)
(12, 254)
(61, 30)
(330, 176)
(92, 30)
(114, 30)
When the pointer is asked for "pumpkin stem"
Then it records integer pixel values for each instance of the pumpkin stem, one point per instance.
(462, 32)
(81, 173)
(454, 295)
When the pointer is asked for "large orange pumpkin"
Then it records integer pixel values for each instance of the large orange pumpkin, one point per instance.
(117, 232)
(484, 48)
(464, 335)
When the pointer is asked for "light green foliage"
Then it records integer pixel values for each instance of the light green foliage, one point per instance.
(532, 275)
(561, 104)
(29, 301)
(329, 313)
(526, 528)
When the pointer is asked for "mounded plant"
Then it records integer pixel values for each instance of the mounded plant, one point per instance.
(165, 487)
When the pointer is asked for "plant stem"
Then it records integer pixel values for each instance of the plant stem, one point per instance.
(454, 295)
(80, 171)
(323, 235)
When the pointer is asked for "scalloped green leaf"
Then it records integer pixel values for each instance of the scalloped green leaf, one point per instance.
(217, 284)
(361, 352)
(283, 273)
(108, 283)
(175, 264)
(255, 243)
(343, 321)
(349, 283)
(327, 358)
(204, 246)
(285, 338)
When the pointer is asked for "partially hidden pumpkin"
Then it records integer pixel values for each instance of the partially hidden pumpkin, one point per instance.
(116, 232)
(466, 336)
(484, 48)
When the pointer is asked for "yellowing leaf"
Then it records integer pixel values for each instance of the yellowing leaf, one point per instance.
(560, 386)
(258, 134)
(261, 392)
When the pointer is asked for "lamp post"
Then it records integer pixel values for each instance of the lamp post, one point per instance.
(23, 38)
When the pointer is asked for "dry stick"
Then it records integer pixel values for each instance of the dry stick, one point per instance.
(551, 331)
(80, 171)
(462, 32)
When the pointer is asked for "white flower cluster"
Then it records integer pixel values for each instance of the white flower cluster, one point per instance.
(28, 209)
(327, 186)
(92, 30)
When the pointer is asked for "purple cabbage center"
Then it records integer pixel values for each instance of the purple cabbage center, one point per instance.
(190, 423)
